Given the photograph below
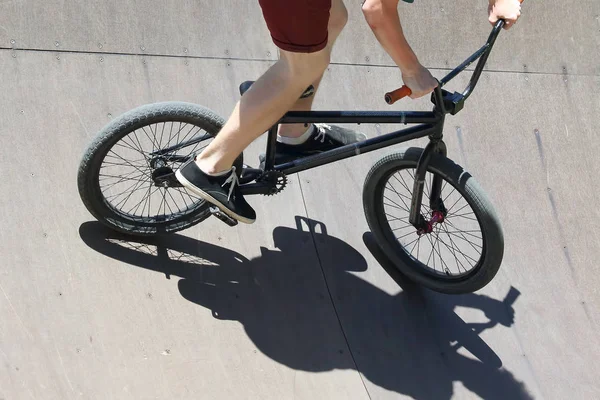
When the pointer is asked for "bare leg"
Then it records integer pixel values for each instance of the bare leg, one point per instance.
(337, 20)
(269, 98)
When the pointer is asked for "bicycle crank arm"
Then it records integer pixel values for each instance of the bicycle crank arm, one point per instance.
(223, 217)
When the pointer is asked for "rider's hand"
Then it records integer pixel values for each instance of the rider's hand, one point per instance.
(508, 10)
(419, 81)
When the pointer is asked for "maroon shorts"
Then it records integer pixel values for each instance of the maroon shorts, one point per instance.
(299, 26)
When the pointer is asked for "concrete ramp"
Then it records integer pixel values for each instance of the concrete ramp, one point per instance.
(302, 304)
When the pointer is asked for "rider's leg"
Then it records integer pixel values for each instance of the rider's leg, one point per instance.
(299, 29)
(270, 97)
(338, 17)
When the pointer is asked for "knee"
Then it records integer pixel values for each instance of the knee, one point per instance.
(306, 67)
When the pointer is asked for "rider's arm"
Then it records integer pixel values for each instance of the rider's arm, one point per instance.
(382, 16)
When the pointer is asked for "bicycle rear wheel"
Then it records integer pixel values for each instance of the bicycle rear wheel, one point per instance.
(462, 248)
(126, 177)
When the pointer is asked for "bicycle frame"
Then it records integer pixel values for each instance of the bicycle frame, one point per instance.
(430, 124)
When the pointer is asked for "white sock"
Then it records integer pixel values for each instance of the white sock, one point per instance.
(222, 173)
(297, 140)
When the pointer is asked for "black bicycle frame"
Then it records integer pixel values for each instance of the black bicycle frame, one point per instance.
(429, 124)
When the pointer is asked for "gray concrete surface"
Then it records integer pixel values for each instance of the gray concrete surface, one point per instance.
(300, 304)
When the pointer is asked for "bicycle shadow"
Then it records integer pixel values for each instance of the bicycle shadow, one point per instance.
(407, 343)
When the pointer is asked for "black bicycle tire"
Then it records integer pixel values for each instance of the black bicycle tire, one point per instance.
(87, 178)
(468, 187)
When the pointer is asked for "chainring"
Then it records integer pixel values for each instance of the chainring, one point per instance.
(278, 179)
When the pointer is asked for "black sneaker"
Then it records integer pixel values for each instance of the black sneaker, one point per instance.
(223, 191)
(323, 138)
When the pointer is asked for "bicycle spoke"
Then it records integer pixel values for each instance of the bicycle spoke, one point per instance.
(122, 178)
(409, 233)
(452, 249)
(179, 132)
(432, 251)
(474, 245)
(196, 145)
(165, 193)
(142, 163)
(127, 162)
(463, 236)
(394, 218)
(188, 133)
(193, 198)
(185, 201)
(463, 254)
(136, 147)
(170, 135)
(396, 204)
(107, 188)
(185, 135)
(470, 232)
(463, 216)
(139, 143)
(399, 208)
(108, 164)
(442, 262)
(162, 204)
(453, 190)
(403, 183)
(162, 133)
(130, 147)
(459, 210)
(394, 190)
(147, 201)
(132, 187)
(135, 189)
(416, 241)
(155, 134)
(153, 142)
(429, 239)
(403, 227)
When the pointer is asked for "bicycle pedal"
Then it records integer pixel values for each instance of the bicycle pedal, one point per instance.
(223, 217)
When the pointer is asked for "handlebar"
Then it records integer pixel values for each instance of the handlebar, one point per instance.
(482, 54)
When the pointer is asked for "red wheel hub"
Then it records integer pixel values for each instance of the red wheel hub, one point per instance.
(437, 217)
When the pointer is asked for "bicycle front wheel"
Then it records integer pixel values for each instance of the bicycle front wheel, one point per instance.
(462, 249)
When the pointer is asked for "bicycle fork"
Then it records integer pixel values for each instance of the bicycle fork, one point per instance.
(436, 146)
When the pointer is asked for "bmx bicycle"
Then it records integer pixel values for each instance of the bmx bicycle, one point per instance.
(429, 216)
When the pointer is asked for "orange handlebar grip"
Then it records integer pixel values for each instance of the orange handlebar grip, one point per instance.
(397, 94)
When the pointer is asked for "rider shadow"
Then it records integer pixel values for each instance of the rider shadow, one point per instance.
(407, 342)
